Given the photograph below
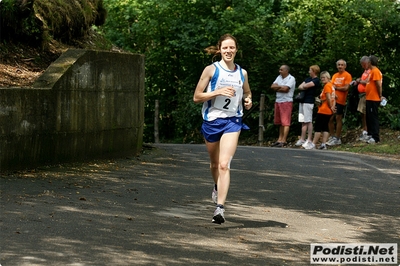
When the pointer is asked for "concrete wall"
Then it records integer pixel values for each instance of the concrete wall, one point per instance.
(87, 104)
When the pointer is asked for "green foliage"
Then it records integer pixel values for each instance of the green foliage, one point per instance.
(69, 19)
(18, 21)
(390, 116)
(173, 35)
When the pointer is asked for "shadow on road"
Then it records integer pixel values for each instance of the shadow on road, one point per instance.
(156, 209)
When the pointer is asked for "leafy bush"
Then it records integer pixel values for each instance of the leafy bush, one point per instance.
(18, 21)
(390, 116)
(173, 35)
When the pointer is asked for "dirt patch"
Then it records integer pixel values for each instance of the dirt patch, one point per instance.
(21, 64)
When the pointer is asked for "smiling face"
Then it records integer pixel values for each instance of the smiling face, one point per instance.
(324, 79)
(341, 65)
(228, 49)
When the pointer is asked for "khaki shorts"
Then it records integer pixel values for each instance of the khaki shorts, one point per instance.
(362, 105)
(305, 112)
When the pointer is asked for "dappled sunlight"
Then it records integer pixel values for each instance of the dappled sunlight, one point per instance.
(270, 174)
(160, 213)
(180, 212)
(349, 167)
(87, 212)
(390, 171)
(30, 260)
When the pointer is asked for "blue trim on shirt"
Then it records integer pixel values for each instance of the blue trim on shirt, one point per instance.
(213, 83)
(242, 78)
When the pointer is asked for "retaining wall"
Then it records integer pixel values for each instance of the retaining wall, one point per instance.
(87, 104)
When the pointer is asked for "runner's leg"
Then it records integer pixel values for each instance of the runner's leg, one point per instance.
(228, 145)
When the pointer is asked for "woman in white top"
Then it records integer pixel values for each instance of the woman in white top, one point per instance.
(222, 87)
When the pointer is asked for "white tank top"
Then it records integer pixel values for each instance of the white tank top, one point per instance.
(221, 106)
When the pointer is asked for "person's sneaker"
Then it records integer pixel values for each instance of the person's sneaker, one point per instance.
(214, 196)
(332, 141)
(363, 137)
(367, 138)
(300, 142)
(338, 142)
(322, 147)
(310, 146)
(305, 144)
(218, 217)
(371, 141)
(364, 133)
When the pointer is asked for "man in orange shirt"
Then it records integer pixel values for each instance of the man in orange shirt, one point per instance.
(361, 84)
(341, 83)
(373, 96)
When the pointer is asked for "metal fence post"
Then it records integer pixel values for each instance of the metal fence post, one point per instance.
(261, 128)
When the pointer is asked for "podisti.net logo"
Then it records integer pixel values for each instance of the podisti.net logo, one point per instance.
(342, 253)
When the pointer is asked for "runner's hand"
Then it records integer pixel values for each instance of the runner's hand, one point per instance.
(227, 91)
(248, 103)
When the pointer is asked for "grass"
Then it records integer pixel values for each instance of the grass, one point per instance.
(380, 148)
(388, 146)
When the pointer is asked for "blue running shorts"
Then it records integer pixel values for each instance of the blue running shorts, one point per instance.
(213, 130)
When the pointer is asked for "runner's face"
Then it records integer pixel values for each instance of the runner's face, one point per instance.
(228, 49)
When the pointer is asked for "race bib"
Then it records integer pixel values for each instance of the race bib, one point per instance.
(229, 104)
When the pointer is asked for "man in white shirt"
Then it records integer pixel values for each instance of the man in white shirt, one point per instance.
(284, 85)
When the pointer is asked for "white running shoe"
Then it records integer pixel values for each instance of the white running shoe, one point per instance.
(371, 141)
(364, 137)
(300, 142)
(218, 217)
(367, 138)
(322, 147)
(332, 141)
(305, 144)
(310, 146)
(214, 196)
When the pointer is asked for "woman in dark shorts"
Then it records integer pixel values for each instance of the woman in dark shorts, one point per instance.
(326, 109)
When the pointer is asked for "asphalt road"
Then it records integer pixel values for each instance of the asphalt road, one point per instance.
(156, 209)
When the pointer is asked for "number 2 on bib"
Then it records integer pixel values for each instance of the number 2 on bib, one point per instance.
(226, 104)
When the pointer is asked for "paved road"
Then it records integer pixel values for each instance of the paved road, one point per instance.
(156, 209)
